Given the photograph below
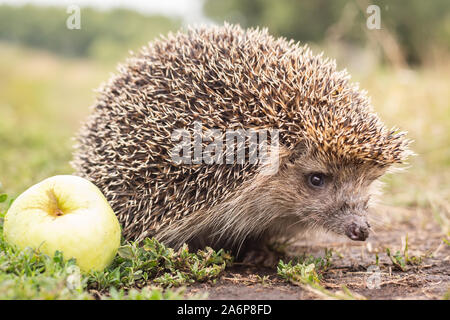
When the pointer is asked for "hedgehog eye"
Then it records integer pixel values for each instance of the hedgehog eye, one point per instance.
(316, 180)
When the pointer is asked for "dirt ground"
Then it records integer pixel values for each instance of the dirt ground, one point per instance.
(429, 279)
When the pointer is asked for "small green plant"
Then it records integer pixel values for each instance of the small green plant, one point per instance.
(136, 265)
(306, 268)
(307, 272)
(28, 274)
(446, 241)
(307, 276)
(401, 259)
(321, 263)
(300, 272)
(262, 279)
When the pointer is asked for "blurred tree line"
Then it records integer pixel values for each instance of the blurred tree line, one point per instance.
(412, 31)
(103, 34)
(418, 28)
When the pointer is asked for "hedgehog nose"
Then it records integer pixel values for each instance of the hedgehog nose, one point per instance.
(357, 231)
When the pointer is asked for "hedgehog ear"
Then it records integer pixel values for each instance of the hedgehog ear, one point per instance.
(298, 150)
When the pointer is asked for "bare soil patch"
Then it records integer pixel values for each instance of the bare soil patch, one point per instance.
(428, 279)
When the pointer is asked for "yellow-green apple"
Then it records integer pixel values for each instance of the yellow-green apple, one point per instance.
(69, 214)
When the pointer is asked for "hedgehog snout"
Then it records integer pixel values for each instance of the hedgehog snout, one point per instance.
(357, 229)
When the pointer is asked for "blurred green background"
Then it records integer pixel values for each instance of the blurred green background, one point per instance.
(48, 74)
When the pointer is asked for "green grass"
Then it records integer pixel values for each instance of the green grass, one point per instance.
(307, 273)
(148, 271)
(43, 100)
(402, 259)
(418, 102)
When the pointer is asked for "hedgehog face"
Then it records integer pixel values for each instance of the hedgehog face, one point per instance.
(333, 196)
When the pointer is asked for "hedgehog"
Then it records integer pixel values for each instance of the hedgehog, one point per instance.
(331, 147)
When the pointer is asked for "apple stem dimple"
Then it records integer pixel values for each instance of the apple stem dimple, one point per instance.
(54, 205)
